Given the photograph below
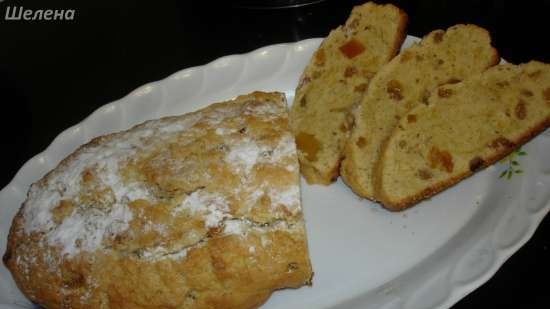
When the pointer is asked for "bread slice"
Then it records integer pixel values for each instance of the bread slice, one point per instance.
(335, 79)
(463, 128)
(441, 57)
(194, 211)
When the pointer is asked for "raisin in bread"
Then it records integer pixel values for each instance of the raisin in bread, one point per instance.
(335, 79)
(441, 57)
(194, 211)
(463, 128)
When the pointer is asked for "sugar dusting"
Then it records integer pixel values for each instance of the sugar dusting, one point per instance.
(285, 148)
(241, 227)
(243, 154)
(161, 253)
(290, 198)
(234, 227)
(86, 228)
(212, 206)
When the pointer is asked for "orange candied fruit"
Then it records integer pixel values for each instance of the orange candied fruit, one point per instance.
(308, 145)
(352, 48)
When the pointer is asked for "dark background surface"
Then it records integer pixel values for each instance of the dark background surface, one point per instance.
(55, 73)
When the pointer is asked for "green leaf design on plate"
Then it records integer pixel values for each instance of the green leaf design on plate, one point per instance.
(513, 164)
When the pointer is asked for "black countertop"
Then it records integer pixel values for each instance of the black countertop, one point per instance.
(55, 73)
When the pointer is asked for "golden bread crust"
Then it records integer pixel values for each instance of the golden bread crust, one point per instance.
(194, 211)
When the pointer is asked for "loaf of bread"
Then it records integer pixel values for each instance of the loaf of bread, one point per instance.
(463, 128)
(441, 57)
(334, 81)
(194, 211)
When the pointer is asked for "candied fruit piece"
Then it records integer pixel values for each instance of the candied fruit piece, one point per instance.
(308, 145)
(352, 48)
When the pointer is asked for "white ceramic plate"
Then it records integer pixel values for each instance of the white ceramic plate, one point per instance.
(429, 256)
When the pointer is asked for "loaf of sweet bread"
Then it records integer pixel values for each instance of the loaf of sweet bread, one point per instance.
(334, 81)
(194, 211)
(463, 128)
(441, 57)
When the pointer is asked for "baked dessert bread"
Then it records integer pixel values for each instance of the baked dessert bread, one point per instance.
(335, 79)
(463, 128)
(194, 211)
(441, 57)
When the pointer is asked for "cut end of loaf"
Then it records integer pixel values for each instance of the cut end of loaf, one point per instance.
(405, 82)
(334, 81)
(456, 136)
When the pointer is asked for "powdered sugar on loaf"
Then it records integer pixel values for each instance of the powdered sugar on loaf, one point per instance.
(87, 200)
